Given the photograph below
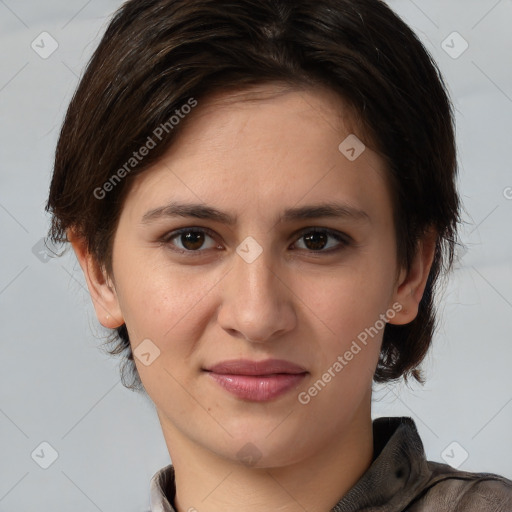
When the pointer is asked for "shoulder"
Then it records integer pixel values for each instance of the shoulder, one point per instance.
(451, 490)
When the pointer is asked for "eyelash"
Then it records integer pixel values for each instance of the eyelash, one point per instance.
(344, 239)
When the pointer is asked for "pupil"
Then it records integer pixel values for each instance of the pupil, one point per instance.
(316, 243)
(192, 240)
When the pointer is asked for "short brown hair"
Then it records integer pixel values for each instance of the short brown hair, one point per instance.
(157, 54)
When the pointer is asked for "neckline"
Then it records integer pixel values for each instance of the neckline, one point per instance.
(399, 469)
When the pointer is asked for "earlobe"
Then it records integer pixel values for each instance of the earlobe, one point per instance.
(411, 284)
(101, 288)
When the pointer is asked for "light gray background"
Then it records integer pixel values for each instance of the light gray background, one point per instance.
(56, 386)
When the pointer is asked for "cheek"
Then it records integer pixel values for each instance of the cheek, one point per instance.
(158, 294)
(348, 300)
(169, 306)
(344, 310)
(166, 306)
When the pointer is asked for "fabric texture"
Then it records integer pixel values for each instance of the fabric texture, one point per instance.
(400, 479)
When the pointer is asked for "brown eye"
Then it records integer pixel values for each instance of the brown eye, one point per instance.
(317, 240)
(195, 240)
(192, 240)
(189, 240)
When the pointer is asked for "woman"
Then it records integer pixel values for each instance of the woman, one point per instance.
(262, 198)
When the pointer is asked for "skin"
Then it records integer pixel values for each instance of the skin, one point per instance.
(253, 156)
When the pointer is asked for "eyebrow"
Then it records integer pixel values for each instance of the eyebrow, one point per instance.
(201, 211)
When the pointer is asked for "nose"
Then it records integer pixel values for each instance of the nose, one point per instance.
(257, 299)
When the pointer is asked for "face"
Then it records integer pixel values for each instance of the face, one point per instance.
(257, 239)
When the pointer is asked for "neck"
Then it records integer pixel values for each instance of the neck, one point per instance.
(206, 482)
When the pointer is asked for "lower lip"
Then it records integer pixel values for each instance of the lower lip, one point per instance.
(258, 388)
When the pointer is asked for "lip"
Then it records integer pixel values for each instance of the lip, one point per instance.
(257, 381)
(248, 367)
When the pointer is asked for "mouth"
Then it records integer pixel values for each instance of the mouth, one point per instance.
(257, 381)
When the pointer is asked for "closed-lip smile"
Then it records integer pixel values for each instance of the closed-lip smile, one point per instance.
(257, 381)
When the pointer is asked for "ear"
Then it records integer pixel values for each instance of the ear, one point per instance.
(411, 284)
(101, 288)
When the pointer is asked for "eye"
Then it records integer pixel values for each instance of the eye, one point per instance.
(191, 239)
(317, 239)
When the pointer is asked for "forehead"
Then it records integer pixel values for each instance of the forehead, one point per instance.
(284, 100)
(261, 145)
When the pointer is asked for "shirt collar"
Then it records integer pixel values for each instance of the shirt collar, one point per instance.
(399, 471)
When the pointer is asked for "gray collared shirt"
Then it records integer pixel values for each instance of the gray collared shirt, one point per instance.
(400, 479)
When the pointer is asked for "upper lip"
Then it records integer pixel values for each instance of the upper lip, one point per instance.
(248, 367)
